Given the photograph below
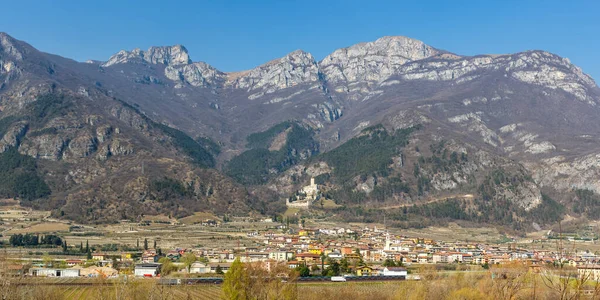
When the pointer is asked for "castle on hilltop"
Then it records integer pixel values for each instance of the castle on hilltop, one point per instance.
(305, 197)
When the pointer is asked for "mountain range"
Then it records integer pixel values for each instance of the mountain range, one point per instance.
(391, 127)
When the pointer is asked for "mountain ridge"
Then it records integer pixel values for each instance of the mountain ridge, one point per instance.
(412, 44)
(513, 128)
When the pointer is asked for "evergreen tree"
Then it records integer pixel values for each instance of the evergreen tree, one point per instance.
(87, 246)
(145, 244)
(154, 245)
(389, 263)
(344, 265)
(81, 247)
(303, 270)
(64, 246)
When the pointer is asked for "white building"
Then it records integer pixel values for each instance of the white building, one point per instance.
(589, 272)
(394, 271)
(281, 255)
(147, 269)
(49, 272)
(455, 257)
(199, 268)
(437, 258)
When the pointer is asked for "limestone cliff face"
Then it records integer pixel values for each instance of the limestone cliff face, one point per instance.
(294, 69)
(8, 47)
(563, 174)
(198, 74)
(174, 55)
(10, 56)
(363, 70)
(372, 62)
(534, 67)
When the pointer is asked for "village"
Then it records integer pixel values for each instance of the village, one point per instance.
(358, 252)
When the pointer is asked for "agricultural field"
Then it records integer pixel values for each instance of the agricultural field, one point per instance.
(139, 291)
(197, 218)
(434, 285)
(143, 289)
(349, 290)
(42, 227)
(200, 292)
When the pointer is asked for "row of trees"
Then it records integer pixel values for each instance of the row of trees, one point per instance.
(31, 240)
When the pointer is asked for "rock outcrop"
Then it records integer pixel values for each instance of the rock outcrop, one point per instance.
(296, 68)
(8, 47)
(174, 55)
(12, 137)
(371, 62)
(362, 71)
(533, 67)
(197, 74)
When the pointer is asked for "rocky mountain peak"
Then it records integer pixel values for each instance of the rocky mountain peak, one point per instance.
(175, 55)
(373, 61)
(409, 48)
(166, 55)
(291, 70)
(8, 46)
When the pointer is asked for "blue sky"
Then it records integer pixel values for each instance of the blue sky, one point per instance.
(238, 35)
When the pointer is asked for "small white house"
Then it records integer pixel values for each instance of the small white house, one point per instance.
(147, 269)
(394, 271)
(51, 272)
(199, 268)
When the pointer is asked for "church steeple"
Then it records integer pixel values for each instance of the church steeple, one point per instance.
(388, 242)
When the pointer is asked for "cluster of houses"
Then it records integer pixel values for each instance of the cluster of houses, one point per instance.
(365, 252)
